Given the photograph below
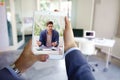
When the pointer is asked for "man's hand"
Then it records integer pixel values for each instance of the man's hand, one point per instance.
(38, 43)
(54, 44)
(27, 58)
(68, 36)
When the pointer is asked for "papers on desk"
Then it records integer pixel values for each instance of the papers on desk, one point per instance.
(104, 42)
(99, 41)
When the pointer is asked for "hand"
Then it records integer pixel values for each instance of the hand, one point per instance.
(68, 36)
(27, 58)
(54, 44)
(38, 43)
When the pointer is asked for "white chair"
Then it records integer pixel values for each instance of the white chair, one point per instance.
(87, 47)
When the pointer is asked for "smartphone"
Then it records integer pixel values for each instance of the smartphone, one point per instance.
(47, 35)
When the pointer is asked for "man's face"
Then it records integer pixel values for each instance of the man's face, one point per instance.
(50, 27)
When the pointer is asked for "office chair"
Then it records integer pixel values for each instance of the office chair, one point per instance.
(87, 48)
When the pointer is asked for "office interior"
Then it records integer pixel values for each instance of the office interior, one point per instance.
(101, 16)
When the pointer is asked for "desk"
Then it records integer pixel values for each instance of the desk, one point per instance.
(108, 43)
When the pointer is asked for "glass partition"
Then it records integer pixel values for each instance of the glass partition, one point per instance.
(18, 18)
(14, 22)
(9, 22)
(52, 5)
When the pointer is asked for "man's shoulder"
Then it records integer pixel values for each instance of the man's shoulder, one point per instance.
(55, 31)
(43, 31)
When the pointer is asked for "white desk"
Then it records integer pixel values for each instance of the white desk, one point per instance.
(108, 43)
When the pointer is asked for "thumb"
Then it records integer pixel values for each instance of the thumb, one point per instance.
(42, 57)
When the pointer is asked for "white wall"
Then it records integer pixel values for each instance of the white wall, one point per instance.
(106, 18)
(4, 42)
(118, 28)
(28, 7)
(81, 13)
(18, 7)
(106, 15)
(74, 13)
(84, 9)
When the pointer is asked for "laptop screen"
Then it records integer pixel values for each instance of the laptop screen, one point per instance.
(78, 32)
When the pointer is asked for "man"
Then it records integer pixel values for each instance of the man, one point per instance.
(49, 37)
(76, 65)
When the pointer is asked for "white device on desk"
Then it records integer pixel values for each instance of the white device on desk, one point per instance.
(89, 34)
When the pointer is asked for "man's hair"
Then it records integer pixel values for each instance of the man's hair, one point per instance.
(49, 22)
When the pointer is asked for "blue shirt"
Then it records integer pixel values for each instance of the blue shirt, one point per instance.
(43, 37)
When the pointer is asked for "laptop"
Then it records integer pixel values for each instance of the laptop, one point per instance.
(78, 32)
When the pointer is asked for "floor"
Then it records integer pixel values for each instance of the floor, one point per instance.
(55, 69)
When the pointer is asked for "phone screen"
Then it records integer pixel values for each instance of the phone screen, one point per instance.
(47, 36)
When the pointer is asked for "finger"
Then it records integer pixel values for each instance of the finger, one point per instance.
(68, 29)
(67, 23)
(68, 35)
(42, 57)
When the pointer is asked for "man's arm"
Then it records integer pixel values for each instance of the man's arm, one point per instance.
(77, 66)
(5, 74)
(57, 38)
(42, 38)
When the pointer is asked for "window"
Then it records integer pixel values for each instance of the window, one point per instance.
(51, 5)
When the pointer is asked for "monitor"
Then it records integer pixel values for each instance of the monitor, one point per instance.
(78, 32)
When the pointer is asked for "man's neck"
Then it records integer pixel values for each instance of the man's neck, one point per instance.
(49, 32)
